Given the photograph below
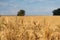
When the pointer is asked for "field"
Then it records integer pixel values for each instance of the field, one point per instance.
(30, 28)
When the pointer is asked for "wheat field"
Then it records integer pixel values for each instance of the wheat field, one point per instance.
(29, 28)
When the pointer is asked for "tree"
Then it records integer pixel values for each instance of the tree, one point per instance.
(21, 13)
(56, 12)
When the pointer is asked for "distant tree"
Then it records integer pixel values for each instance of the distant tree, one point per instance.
(56, 12)
(21, 13)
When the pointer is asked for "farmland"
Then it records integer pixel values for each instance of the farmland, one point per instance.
(29, 28)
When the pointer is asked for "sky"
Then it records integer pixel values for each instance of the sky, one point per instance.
(31, 7)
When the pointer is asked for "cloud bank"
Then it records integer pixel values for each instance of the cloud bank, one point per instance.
(32, 7)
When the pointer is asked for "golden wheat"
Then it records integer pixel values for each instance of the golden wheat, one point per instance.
(30, 28)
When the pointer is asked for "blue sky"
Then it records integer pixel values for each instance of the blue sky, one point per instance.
(32, 7)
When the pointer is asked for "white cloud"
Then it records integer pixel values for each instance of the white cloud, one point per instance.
(3, 3)
(14, 7)
(11, 8)
(30, 1)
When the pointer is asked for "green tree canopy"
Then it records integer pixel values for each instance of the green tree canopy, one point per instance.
(56, 12)
(21, 13)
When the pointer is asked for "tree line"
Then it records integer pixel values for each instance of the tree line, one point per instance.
(55, 12)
